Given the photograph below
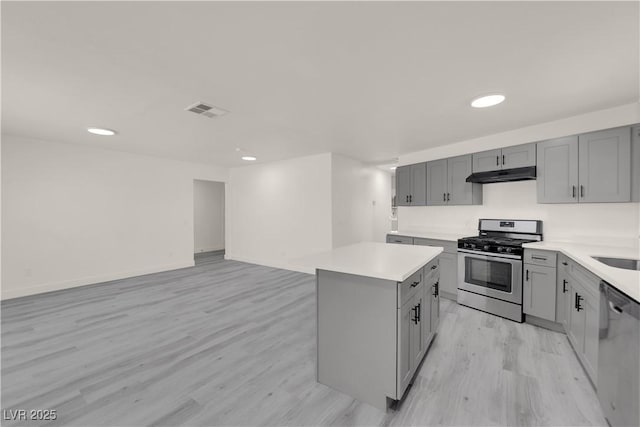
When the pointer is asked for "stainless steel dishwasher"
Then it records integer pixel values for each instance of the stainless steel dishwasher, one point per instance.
(619, 357)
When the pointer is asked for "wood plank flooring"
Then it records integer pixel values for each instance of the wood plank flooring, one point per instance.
(229, 343)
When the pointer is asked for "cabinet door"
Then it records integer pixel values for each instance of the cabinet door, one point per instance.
(576, 321)
(403, 185)
(449, 273)
(416, 344)
(460, 192)
(518, 156)
(635, 164)
(591, 306)
(418, 185)
(562, 295)
(435, 307)
(605, 166)
(539, 292)
(557, 170)
(404, 346)
(437, 182)
(487, 161)
(425, 316)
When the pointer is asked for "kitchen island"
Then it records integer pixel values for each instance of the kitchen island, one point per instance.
(377, 313)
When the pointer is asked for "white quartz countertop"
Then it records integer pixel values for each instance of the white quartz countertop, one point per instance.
(627, 281)
(379, 260)
(451, 236)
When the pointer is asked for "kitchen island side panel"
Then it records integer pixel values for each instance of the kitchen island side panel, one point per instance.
(357, 324)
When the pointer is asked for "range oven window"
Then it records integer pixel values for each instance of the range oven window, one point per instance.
(488, 273)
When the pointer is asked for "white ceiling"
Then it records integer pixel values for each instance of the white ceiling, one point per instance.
(368, 80)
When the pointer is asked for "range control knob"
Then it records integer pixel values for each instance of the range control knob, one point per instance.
(500, 249)
(485, 247)
(509, 250)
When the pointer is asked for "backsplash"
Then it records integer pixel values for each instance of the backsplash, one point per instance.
(610, 223)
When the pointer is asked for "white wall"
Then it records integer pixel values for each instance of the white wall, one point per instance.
(74, 215)
(208, 216)
(361, 202)
(279, 211)
(610, 222)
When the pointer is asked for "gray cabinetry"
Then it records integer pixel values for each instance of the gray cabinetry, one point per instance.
(448, 270)
(437, 182)
(583, 317)
(403, 240)
(557, 170)
(446, 182)
(635, 164)
(487, 160)
(562, 290)
(539, 285)
(539, 292)
(411, 185)
(604, 166)
(517, 156)
(593, 167)
(409, 339)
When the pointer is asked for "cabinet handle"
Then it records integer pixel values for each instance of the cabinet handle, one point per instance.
(581, 190)
(564, 286)
(538, 257)
(444, 197)
(564, 263)
(527, 279)
(497, 160)
(414, 284)
(503, 159)
(577, 302)
(448, 197)
(573, 194)
(415, 314)
(407, 199)
(433, 267)
(410, 198)
(436, 287)
(419, 311)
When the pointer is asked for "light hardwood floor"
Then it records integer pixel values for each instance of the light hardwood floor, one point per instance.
(229, 343)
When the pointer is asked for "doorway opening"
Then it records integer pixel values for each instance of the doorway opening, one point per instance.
(208, 221)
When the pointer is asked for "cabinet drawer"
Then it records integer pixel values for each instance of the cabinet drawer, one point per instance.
(404, 240)
(410, 286)
(433, 268)
(564, 264)
(543, 258)
(449, 247)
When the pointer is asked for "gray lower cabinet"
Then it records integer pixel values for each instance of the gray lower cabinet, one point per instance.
(409, 339)
(604, 166)
(448, 270)
(434, 293)
(403, 240)
(446, 182)
(562, 290)
(590, 168)
(517, 156)
(411, 182)
(583, 321)
(539, 292)
(635, 164)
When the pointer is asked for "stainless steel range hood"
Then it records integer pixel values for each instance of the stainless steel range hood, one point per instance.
(503, 175)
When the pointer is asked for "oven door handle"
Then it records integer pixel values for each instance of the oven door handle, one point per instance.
(477, 255)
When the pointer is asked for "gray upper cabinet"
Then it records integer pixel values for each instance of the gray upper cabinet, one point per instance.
(459, 192)
(446, 182)
(437, 182)
(518, 156)
(593, 167)
(487, 160)
(604, 166)
(411, 185)
(557, 170)
(403, 185)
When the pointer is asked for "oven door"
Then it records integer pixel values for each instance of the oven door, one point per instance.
(494, 276)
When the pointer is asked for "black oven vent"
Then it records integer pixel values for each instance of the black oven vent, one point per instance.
(503, 175)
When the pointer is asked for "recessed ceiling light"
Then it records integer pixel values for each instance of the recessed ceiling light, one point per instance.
(487, 101)
(393, 168)
(102, 132)
(249, 158)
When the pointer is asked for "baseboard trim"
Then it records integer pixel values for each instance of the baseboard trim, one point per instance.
(272, 264)
(68, 284)
(544, 323)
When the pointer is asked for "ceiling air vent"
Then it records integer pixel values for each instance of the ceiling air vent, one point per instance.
(206, 110)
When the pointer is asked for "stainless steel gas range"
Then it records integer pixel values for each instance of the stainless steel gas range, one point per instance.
(490, 266)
